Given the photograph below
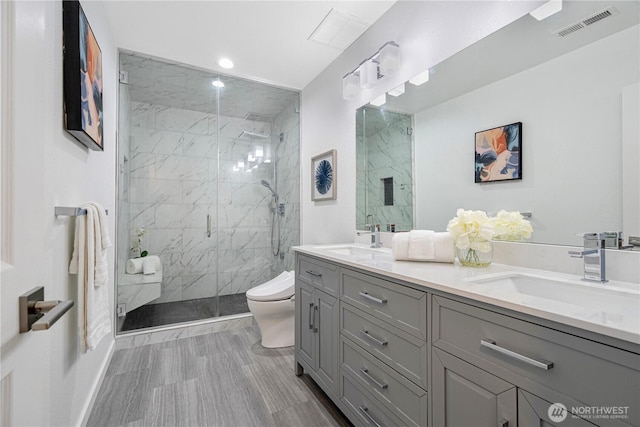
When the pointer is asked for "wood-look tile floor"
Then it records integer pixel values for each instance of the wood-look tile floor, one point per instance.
(220, 379)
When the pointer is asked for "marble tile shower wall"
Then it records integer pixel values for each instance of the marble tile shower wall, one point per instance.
(177, 180)
(288, 182)
(389, 155)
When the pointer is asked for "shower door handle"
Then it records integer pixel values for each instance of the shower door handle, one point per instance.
(208, 225)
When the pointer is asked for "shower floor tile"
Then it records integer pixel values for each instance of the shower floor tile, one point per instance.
(168, 313)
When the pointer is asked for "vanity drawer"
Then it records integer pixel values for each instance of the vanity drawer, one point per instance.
(400, 396)
(366, 410)
(322, 275)
(398, 349)
(575, 367)
(401, 306)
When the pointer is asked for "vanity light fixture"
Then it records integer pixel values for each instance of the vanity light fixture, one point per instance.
(381, 100)
(389, 59)
(421, 78)
(397, 91)
(350, 86)
(225, 63)
(368, 74)
(217, 83)
(385, 62)
(546, 10)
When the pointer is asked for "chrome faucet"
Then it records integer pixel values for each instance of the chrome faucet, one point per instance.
(374, 230)
(593, 255)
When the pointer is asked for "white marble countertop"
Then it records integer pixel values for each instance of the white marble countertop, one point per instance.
(611, 309)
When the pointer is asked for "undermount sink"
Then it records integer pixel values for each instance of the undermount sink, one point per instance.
(611, 297)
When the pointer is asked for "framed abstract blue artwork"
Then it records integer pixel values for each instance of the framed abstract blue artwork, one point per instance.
(499, 153)
(323, 176)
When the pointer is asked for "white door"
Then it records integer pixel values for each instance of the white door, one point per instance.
(24, 361)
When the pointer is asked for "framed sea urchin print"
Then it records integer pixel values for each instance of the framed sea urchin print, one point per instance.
(323, 176)
(499, 153)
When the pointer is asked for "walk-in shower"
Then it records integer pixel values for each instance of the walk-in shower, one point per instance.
(193, 158)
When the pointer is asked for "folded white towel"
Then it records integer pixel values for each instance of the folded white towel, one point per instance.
(443, 249)
(421, 245)
(135, 265)
(400, 246)
(148, 266)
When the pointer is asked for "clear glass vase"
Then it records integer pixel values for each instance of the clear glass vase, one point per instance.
(476, 257)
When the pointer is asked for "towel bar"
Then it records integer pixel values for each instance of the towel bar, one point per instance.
(70, 211)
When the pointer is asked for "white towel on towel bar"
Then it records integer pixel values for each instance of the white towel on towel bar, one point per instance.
(89, 262)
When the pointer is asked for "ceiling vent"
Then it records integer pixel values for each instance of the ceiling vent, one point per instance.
(339, 29)
(584, 23)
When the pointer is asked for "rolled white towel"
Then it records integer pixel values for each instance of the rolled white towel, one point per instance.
(421, 245)
(148, 266)
(134, 265)
(400, 246)
(443, 247)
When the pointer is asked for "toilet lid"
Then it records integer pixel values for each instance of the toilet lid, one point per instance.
(280, 287)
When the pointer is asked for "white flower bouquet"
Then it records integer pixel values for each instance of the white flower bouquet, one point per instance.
(473, 231)
(511, 226)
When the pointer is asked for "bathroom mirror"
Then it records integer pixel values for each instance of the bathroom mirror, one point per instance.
(384, 179)
(572, 80)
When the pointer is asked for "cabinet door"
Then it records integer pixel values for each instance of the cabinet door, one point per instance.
(534, 412)
(464, 395)
(306, 339)
(328, 320)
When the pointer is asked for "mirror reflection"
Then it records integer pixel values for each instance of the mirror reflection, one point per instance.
(576, 94)
(384, 180)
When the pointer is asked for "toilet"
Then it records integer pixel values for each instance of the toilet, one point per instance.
(272, 305)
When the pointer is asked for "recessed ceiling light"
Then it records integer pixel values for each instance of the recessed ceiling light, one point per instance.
(225, 63)
(217, 83)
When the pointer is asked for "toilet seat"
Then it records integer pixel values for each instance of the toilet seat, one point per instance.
(278, 288)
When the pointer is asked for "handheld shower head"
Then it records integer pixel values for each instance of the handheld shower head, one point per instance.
(266, 184)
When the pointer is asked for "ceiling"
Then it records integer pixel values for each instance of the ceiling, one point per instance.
(164, 83)
(267, 40)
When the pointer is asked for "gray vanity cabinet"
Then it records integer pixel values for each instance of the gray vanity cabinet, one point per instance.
(534, 412)
(547, 366)
(464, 395)
(317, 326)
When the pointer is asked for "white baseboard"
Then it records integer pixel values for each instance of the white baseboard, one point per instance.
(95, 388)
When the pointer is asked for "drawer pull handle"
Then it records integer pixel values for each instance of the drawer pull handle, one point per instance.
(365, 411)
(315, 327)
(313, 273)
(372, 338)
(374, 299)
(311, 318)
(365, 372)
(538, 364)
